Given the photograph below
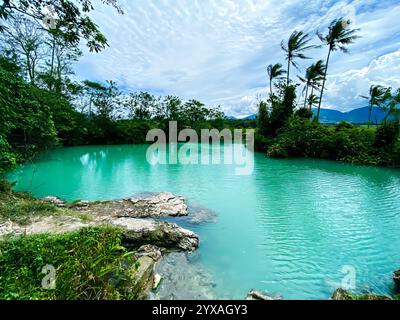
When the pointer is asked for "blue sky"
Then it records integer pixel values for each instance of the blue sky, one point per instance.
(217, 51)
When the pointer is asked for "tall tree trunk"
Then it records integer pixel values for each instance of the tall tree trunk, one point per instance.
(312, 92)
(288, 72)
(305, 99)
(369, 114)
(323, 83)
(52, 62)
(270, 86)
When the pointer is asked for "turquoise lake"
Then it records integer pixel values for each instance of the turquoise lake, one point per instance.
(289, 228)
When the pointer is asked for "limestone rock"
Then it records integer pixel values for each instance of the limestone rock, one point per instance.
(341, 294)
(162, 234)
(396, 279)
(54, 200)
(157, 280)
(149, 250)
(144, 278)
(163, 204)
(257, 295)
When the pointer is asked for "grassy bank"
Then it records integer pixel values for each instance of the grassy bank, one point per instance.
(88, 264)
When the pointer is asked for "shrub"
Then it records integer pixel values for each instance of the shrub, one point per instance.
(90, 264)
(304, 113)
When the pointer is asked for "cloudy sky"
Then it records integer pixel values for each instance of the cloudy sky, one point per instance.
(217, 51)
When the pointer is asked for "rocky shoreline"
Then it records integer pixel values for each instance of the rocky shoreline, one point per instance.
(160, 246)
(139, 219)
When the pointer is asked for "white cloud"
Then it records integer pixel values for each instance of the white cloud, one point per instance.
(345, 89)
(217, 50)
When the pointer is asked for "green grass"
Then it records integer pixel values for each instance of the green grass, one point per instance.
(21, 207)
(89, 264)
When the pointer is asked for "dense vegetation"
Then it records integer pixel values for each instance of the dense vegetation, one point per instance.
(89, 264)
(286, 129)
(42, 107)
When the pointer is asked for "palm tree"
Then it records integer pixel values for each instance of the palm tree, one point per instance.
(314, 74)
(294, 48)
(376, 97)
(274, 72)
(338, 37)
(312, 100)
(393, 101)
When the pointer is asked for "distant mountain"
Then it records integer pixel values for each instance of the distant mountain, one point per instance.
(251, 117)
(334, 116)
(355, 116)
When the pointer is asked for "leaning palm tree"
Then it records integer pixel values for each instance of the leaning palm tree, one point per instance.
(274, 72)
(294, 48)
(314, 75)
(392, 101)
(377, 94)
(338, 37)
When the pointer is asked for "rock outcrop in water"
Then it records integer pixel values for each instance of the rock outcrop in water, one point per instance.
(341, 294)
(148, 205)
(257, 295)
(136, 217)
(396, 279)
(122, 214)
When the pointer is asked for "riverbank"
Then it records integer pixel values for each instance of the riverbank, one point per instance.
(93, 250)
(117, 249)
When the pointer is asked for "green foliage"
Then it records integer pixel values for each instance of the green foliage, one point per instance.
(90, 264)
(21, 207)
(72, 19)
(304, 113)
(282, 107)
(343, 142)
(263, 118)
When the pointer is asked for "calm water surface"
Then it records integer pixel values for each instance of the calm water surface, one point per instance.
(288, 228)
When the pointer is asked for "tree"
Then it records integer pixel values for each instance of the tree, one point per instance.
(282, 107)
(194, 112)
(391, 104)
(314, 74)
(262, 118)
(312, 100)
(93, 90)
(26, 41)
(274, 72)
(140, 106)
(107, 100)
(294, 49)
(61, 57)
(77, 23)
(169, 109)
(338, 37)
(375, 98)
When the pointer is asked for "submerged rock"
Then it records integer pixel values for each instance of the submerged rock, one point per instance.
(341, 294)
(182, 279)
(257, 295)
(396, 279)
(200, 214)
